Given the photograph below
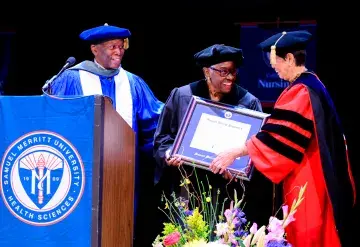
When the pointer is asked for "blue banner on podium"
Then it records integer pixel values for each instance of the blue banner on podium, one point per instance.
(46, 154)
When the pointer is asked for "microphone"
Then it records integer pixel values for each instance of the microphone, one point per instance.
(69, 62)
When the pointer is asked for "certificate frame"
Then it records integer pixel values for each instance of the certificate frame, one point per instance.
(233, 120)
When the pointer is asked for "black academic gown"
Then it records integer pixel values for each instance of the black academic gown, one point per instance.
(168, 179)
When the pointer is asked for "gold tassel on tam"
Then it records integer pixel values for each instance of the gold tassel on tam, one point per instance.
(126, 43)
(273, 55)
(273, 50)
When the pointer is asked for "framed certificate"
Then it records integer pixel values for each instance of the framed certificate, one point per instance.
(211, 127)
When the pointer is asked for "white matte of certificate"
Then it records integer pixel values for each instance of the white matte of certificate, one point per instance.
(215, 134)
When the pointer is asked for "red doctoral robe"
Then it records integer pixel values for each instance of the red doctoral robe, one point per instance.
(302, 142)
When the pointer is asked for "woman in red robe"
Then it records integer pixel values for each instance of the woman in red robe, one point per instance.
(302, 142)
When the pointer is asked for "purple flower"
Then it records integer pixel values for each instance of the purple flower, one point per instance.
(281, 243)
(241, 218)
(188, 212)
(240, 233)
(240, 213)
(236, 222)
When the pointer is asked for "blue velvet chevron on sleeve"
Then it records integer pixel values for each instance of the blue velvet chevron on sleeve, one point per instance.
(147, 109)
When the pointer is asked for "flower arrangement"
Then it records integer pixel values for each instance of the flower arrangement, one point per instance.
(197, 222)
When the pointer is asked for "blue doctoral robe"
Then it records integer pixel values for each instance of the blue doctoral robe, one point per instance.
(132, 99)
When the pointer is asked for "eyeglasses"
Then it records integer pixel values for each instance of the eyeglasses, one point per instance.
(225, 73)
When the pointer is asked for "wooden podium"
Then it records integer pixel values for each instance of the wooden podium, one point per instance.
(98, 210)
(114, 171)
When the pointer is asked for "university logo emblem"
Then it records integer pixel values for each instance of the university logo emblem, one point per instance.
(42, 178)
(228, 114)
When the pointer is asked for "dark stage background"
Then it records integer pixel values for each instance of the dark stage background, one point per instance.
(165, 38)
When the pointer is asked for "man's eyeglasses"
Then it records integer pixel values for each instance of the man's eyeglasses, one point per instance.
(225, 73)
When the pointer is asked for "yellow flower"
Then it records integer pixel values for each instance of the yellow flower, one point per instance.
(196, 243)
(187, 181)
(197, 225)
(208, 199)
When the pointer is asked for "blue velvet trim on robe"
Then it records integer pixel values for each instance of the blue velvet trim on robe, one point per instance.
(146, 109)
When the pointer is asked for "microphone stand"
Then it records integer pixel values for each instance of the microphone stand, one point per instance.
(47, 86)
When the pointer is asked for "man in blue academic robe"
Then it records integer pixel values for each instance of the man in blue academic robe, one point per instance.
(131, 97)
